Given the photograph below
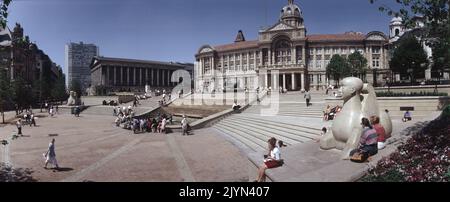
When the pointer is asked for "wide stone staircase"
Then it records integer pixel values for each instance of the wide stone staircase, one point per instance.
(294, 123)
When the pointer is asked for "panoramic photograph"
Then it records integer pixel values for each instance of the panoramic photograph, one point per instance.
(241, 91)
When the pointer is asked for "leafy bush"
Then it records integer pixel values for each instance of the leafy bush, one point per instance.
(410, 94)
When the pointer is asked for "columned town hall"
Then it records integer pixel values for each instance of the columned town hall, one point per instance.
(300, 59)
(119, 74)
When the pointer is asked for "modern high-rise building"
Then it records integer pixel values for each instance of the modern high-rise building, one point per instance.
(78, 59)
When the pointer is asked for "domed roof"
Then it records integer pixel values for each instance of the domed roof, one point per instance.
(396, 21)
(291, 10)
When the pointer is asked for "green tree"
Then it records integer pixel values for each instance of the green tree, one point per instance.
(338, 68)
(5, 92)
(409, 55)
(436, 25)
(358, 63)
(22, 93)
(59, 91)
(75, 86)
(4, 12)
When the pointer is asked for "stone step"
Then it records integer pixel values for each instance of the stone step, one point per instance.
(295, 133)
(316, 112)
(256, 138)
(293, 114)
(269, 132)
(240, 137)
(308, 129)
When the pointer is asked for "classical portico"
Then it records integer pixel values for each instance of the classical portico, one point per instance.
(120, 74)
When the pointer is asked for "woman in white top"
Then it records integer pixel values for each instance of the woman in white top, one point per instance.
(163, 125)
(272, 160)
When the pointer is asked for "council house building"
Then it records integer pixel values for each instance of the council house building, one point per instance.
(300, 58)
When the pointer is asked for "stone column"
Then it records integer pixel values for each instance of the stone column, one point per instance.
(370, 57)
(304, 56)
(293, 81)
(221, 64)
(303, 81)
(266, 80)
(381, 57)
(248, 61)
(275, 82)
(284, 81)
(294, 55)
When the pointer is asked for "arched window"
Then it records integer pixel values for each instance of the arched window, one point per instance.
(282, 51)
(397, 32)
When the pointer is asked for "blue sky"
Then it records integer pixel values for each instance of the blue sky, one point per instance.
(173, 30)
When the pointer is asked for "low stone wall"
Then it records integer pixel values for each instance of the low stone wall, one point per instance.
(422, 106)
(97, 100)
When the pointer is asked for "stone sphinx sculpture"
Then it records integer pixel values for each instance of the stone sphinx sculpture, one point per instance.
(359, 101)
(73, 99)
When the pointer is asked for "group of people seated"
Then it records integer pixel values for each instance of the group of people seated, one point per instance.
(330, 112)
(156, 124)
(373, 138)
(110, 102)
(123, 114)
(236, 106)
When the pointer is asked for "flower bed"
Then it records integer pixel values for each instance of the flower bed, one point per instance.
(423, 158)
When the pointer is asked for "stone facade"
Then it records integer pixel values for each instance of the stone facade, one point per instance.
(299, 59)
(117, 74)
(24, 59)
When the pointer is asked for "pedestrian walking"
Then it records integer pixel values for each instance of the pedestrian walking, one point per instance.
(19, 127)
(308, 98)
(184, 125)
(50, 155)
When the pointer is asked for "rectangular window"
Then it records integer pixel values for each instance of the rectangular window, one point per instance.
(319, 51)
(376, 50)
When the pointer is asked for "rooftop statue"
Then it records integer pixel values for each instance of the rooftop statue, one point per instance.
(359, 101)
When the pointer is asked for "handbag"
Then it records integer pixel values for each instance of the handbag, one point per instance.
(359, 157)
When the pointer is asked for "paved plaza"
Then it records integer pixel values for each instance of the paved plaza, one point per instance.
(90, 148)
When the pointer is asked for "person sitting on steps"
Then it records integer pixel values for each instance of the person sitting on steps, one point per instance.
(272, 160)
(407, 116)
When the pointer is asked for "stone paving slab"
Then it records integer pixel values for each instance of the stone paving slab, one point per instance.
(91, 148)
